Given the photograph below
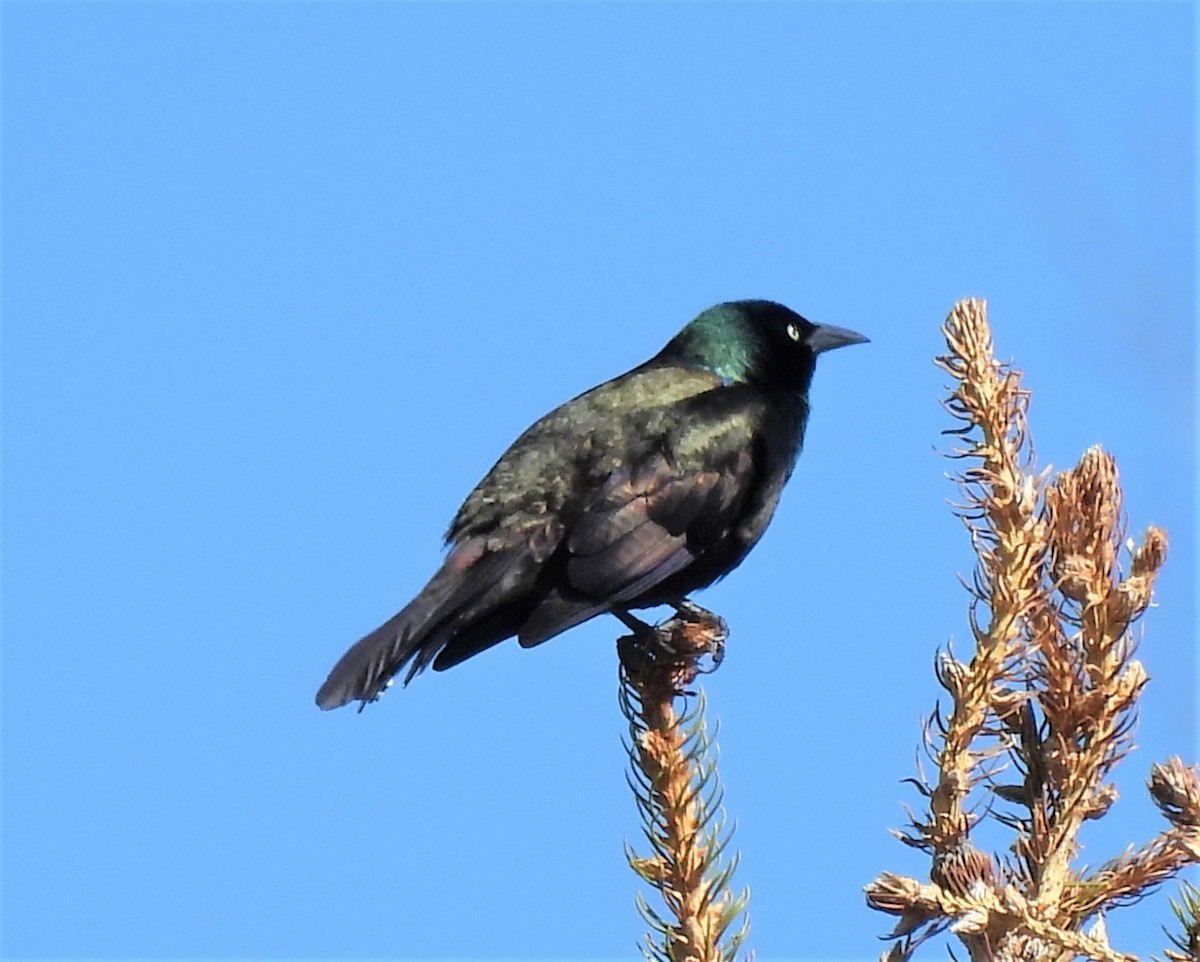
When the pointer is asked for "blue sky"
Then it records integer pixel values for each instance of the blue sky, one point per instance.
(280, 281)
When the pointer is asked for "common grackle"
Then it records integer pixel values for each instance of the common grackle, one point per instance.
(636, 493)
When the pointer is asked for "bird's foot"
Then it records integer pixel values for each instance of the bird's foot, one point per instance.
(689, 644)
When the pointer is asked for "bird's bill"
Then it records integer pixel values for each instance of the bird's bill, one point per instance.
(826, 337)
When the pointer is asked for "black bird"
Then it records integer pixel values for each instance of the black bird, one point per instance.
(636, 493)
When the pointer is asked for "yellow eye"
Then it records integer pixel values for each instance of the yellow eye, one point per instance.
(793, 332)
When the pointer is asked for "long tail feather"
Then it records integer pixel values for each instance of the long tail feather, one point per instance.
(367, 667)
(469, 598)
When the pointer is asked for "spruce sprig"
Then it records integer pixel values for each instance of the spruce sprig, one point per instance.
(673, 777)
(1050, 691)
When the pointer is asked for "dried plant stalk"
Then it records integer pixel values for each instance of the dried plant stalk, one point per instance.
(1050, 692)
(674, 780)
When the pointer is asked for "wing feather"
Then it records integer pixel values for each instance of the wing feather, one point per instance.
(641, 528)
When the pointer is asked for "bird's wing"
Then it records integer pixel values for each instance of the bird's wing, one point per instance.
(560, 460)
(636, 531)
(652, 520)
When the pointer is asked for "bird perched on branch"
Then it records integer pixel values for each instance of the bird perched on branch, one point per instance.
(634, 494)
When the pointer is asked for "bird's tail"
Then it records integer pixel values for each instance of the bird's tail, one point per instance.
(367, 668)
(463, 606)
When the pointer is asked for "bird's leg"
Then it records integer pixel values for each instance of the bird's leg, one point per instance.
(690, 611)
(703, 629)
(643, 648)
(636, 625)
(677, 644)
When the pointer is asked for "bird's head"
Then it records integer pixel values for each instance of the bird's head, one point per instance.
(757, 342)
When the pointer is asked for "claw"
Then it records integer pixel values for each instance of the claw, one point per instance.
(680, 643)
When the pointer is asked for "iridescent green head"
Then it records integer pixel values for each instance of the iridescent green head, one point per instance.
(757, 342)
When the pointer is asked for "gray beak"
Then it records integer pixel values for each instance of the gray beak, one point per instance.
(826, 337)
